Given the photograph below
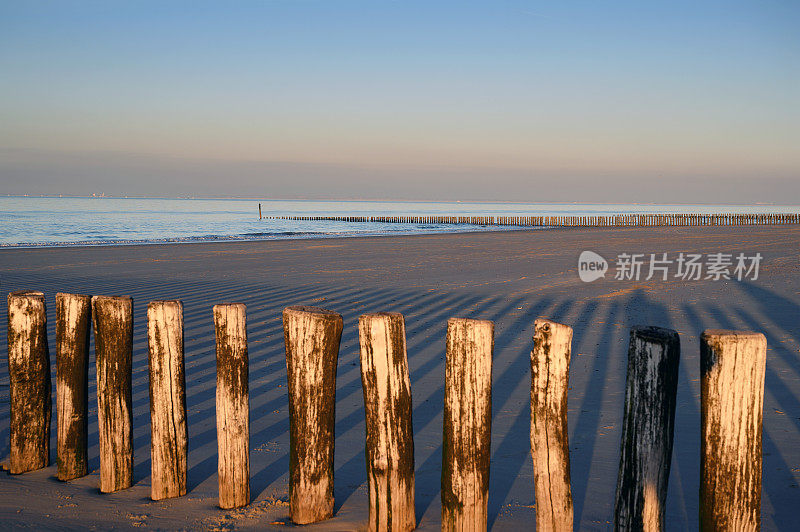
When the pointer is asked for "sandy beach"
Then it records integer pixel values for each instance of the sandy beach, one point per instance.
(510, 277)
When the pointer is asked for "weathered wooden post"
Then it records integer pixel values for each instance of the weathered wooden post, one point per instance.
(647, 429)
(168, 431)
(233, 405)
(312, 338)
(732, 366)
(389, 432)
(113, 349)
(552, 343)
(73, 327)
(29, 380)
(466, 447)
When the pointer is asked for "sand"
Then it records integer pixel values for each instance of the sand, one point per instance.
(509, 277)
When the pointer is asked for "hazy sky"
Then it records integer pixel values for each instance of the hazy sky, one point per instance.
(528, 101)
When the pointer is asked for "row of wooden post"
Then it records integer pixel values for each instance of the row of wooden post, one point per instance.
(732, 375)
(610, 220)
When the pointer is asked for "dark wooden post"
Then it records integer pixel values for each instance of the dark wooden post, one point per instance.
(168, 431)
(732, 366)
(312, 338)
(73, 327)
(29, 380)
(389, 431)
(233, 405)
(113, 348)
(466, 448)
(647, 429)
(552, 344)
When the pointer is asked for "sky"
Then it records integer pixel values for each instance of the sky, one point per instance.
(586, 101)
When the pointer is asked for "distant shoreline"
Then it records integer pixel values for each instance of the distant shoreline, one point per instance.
(58, 222)
(272, 238)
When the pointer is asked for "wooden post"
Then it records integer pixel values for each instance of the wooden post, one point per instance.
(259, 211)
(29, 381)
(73, 327)
(389, 432)
(312, 338)
(168, 430)
(467, 424)
(233, 405)
(732, 366)
(549, 433)
(647, 429)
(113, 351)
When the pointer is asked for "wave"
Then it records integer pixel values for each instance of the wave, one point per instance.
(254, 236)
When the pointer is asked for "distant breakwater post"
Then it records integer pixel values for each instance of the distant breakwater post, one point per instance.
(614, 220)
(732, 385)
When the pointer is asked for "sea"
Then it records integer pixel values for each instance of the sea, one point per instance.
(28, 221)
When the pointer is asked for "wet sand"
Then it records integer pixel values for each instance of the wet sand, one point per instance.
(509, 277)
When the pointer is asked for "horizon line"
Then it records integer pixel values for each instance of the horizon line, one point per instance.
(387, 200)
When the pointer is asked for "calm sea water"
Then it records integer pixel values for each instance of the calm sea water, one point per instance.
(36, 221)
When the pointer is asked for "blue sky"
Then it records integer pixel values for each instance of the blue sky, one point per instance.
(584, 101)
